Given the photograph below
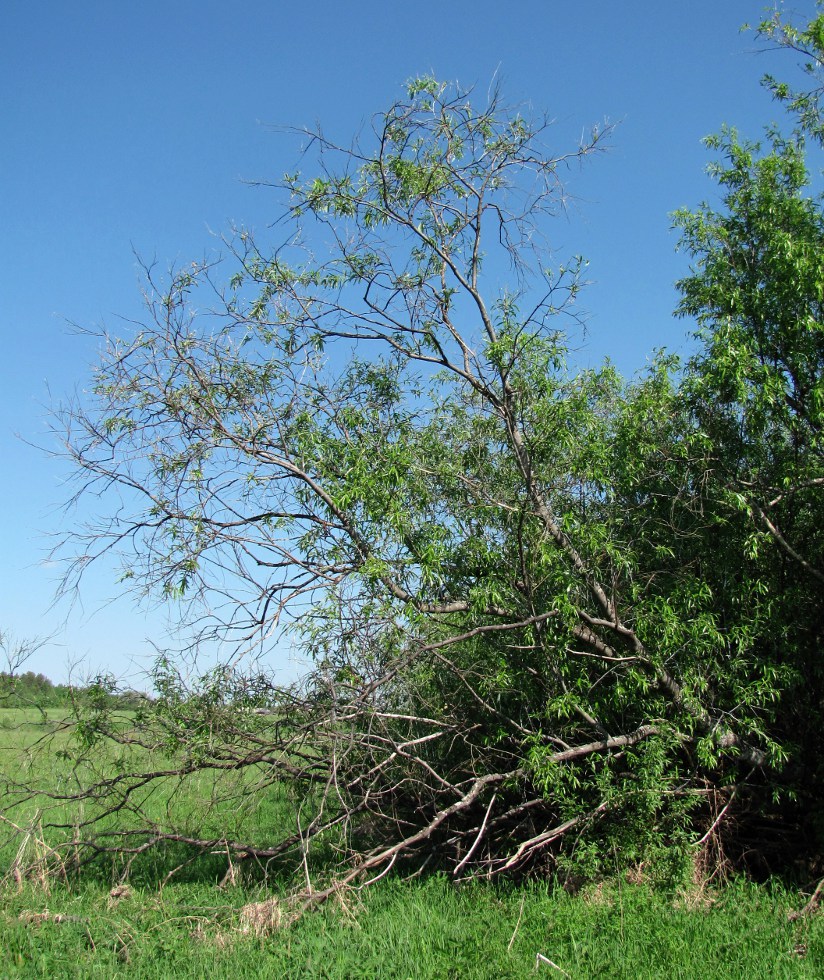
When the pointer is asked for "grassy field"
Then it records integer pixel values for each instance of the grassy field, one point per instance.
(191, 927)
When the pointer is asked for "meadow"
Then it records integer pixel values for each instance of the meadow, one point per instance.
(165, 917)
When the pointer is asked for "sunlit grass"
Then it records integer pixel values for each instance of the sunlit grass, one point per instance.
(418, 929)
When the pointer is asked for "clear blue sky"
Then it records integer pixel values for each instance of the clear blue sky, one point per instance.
(134, 126)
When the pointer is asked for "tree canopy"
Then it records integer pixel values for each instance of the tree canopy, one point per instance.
(558, 618)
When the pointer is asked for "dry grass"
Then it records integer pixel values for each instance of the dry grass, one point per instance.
(263, 918)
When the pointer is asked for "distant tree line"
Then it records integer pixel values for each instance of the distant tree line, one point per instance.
(30, 689)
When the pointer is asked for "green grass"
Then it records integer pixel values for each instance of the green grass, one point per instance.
(421, 929)
(206, 804)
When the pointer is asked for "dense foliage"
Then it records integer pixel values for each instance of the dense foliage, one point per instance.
(556, 616)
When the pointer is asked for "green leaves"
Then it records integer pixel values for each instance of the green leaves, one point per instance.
(753, 393)
(581, 598)
(808, 41)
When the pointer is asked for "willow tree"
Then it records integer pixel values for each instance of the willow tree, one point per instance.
(756, 396)
(508, 574)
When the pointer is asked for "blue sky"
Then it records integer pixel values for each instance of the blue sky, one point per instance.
(135, 128)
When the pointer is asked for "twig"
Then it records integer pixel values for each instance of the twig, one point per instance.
(378, 877)
(540, 958)
(517, 925)
(718, 819)
(812, 905)
(477, 841)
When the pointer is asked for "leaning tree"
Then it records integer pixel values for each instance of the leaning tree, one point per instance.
(540, 603)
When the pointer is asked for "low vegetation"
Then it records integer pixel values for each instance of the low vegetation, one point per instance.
(408, 930)
(164, 916)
